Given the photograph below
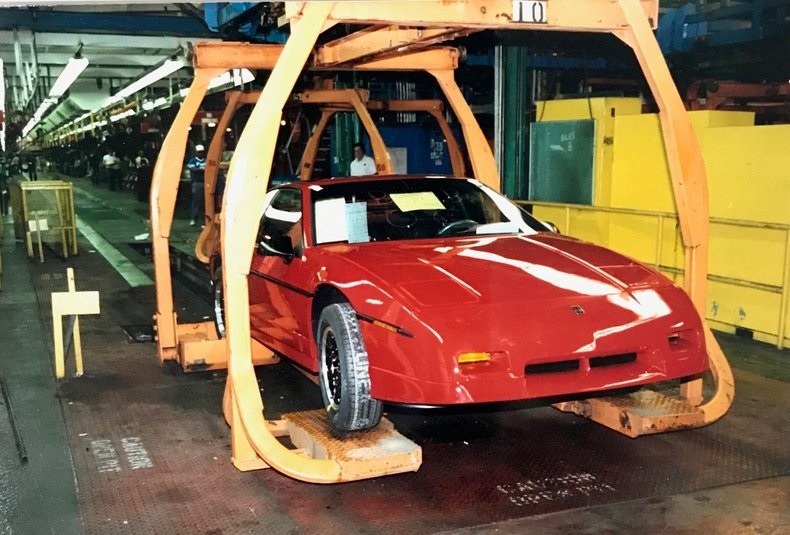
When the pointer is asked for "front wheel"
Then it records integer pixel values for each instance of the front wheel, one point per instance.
(343, 371)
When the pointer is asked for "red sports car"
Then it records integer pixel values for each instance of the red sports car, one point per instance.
(432, 290)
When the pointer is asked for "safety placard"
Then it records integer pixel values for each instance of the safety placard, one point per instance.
(38, 224)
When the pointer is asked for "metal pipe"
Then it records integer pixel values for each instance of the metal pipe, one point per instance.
(729, 280)
(19, 66)
(616, 210)
(17, 104)
(20, 444)
(34, 53)
(780, 338)
(499, 99)
(659, 240)
(29, 79)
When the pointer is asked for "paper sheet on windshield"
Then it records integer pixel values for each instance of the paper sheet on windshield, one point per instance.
(423, 200)
(330, 221)
(357, 222)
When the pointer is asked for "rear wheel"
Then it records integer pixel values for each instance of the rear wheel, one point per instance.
(343, 370)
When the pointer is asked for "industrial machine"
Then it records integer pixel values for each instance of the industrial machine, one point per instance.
(401, 35)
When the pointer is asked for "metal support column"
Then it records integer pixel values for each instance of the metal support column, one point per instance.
(345, 134)
(511, 115)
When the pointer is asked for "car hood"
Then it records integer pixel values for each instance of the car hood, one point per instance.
(494, 269)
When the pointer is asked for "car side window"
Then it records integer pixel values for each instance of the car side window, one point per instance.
(282, 220)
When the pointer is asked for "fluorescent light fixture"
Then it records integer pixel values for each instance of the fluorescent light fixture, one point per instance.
(45, 105)
(89, 126)
(28, 127)
(122, 115)
(149, 105)
(71, 72)
(235, 78)
(165, 69)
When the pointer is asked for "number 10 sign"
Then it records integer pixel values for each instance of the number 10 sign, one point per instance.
(529, 11)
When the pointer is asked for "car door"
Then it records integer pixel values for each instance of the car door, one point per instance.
(280, 299)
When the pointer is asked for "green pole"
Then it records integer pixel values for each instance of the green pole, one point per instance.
(511, 109)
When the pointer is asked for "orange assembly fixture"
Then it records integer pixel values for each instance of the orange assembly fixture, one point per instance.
(400, 36)
(331, 101)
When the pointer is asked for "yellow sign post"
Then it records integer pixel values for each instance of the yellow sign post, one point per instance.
(71, 303)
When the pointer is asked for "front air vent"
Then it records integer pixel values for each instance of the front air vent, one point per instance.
(612, 360)
(553, 367)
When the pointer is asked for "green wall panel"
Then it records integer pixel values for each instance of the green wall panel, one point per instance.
(561, 161)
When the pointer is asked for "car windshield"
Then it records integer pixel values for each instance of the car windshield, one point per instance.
(413, 208)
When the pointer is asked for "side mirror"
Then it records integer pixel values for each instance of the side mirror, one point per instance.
(279, 246)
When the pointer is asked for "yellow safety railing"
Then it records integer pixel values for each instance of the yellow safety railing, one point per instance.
(570, 225)
(44, 213)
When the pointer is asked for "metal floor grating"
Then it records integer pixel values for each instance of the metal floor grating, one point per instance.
(151, 449)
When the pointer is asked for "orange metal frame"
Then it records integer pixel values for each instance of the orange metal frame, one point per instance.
(254, 444)
(335, 101)
(434, 108)
(355, 100)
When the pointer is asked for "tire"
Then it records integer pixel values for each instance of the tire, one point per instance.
(343, 371)
(218, 302)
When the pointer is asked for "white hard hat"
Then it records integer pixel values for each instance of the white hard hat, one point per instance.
(200, 147)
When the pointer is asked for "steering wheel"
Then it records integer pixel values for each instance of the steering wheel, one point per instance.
(461, 225)
(401, 219)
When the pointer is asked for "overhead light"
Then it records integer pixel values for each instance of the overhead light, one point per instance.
(149, 105)
(234, 78)
(45, 105)
(122, 115)
(28, 127)
(165, 69)
(71, 72)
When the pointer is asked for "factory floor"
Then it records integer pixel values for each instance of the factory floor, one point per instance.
(131, 447)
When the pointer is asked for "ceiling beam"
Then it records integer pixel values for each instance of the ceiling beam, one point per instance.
(256, 56)
(561, 15)
(116, 59)
(116, 40)
(440, 58)
(39, 20)
(379, 41)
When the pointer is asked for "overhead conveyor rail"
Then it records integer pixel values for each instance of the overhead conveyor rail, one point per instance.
(399, 35)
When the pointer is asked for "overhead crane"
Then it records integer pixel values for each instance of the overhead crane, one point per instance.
(400, 35)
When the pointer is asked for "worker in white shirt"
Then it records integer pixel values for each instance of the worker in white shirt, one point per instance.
(362, 164)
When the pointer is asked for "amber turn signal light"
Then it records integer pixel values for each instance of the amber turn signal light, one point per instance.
(468, 358)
